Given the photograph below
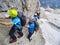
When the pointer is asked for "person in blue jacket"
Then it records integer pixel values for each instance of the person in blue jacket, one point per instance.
(16, 21)
(30, 28)
(16, 26)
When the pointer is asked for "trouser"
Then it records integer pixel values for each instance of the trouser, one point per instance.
(12, 31)
(29, 35)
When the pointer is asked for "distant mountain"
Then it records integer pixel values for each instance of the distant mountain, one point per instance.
(51, 3)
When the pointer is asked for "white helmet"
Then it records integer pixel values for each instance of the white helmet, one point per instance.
(32, 18)
(35, 14)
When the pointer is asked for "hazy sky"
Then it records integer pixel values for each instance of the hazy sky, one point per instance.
(51, 3)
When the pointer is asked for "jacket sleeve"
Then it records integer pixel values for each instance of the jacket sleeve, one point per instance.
(17, 22)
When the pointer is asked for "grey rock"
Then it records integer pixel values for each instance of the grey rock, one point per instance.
(3, 7)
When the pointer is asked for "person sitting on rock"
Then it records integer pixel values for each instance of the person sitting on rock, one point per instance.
(32, 26)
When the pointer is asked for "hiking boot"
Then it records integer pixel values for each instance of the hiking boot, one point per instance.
(12, 41)
(20, 36)
(29, 40)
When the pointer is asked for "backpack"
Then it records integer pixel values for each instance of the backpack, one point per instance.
(22, 18)
(36, 26)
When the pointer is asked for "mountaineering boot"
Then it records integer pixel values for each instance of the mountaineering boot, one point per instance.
(12, 41)
(30, 40)
(20, 36)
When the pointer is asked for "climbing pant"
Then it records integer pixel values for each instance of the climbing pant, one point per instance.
(12, 31)
(29, 35)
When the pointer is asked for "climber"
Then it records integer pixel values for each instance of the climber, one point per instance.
(31, 26)
(37, 15)
(35, 19)
(16, 25)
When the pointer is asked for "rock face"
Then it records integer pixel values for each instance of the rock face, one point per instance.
(50, 34)
(50, 26)
(28, 7)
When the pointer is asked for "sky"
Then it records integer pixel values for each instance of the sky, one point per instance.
(51, 3)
